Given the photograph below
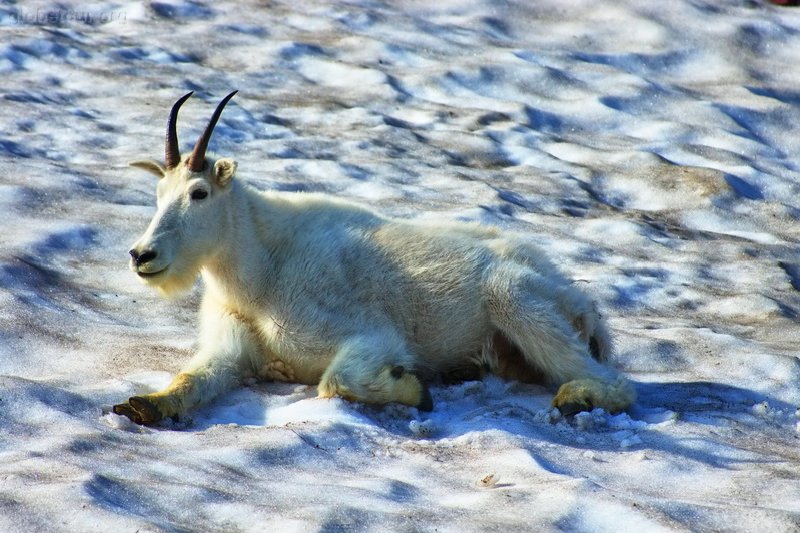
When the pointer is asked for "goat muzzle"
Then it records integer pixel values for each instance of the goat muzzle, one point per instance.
(141, 258)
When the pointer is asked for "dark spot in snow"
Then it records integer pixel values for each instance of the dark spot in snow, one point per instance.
(70, 240)
(637, 63)
(269, 118)
(793, 271)
(743, 188)
(403, 94)
(396, 122)
(297, 50)
(516, 199)
(17, 150)
(574, 208)
(358, 20)
(540, 120)
(156, 55)
(247, 29)
(35, 97)
(355, 171)
(494, 116)
(499, 211)
(497, 28)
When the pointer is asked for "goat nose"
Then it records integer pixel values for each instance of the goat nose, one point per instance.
(144, 257)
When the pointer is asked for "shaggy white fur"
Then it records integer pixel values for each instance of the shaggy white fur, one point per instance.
(308, 288)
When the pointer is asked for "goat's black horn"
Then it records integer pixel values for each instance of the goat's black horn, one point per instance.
(172, 155)
(197, 160)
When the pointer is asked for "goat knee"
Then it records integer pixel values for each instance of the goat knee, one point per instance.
(392, 383)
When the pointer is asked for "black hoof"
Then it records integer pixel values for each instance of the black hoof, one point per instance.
(140, 410)
(573, 408)
(125, 409)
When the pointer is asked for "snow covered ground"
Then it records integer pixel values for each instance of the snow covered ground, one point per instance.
(652, 147)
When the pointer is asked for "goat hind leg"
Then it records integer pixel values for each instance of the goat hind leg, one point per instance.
(586, 394)
(527, 309)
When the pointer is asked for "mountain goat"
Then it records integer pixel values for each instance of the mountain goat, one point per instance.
(310, 289)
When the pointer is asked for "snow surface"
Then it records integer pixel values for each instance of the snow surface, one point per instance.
(652, 147)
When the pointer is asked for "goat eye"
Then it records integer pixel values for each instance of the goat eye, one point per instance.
(199, 194)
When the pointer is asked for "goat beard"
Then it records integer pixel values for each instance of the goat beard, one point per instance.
(176, 281)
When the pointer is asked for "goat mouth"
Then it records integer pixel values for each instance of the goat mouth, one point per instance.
(147, 275)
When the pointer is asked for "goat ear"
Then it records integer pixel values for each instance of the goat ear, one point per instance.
(153, 167)
(224, 169)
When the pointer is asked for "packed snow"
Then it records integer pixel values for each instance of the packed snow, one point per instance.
(653, 148)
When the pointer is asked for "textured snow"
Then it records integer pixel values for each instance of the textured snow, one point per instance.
(652, 147)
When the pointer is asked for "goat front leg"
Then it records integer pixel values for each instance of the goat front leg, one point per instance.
(168, 403)
(228, 346)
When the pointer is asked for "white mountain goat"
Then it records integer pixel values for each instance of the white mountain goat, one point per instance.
(310, 289)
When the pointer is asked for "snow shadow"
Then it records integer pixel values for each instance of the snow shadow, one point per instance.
(515, 411)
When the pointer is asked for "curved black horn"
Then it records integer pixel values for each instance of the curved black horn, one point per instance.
(197, 160)
(172, 156)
